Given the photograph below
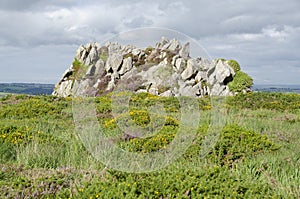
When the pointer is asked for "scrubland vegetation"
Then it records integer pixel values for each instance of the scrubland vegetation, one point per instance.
(257, 154)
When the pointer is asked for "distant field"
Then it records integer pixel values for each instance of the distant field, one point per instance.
(27, 88)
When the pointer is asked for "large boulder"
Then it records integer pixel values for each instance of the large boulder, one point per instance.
(165, 70)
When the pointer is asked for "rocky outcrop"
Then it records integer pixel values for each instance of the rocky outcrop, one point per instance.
(165, 70)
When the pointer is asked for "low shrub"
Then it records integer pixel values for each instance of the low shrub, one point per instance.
(234, 65)
(241, 81)
(32, 107)
(236, 143)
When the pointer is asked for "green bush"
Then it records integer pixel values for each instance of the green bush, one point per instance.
(236, 143)
(240, 82)
(174, 182)
(234, 65)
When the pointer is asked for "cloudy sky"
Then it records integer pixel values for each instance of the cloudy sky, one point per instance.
(38, 38)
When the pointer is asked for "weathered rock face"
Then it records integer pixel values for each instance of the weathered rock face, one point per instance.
(166, 70)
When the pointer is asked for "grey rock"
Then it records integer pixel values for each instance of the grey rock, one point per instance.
(162, 43)
(63, 89)
(190, 69)
(92, 57)
(111, 85)
(185, 51)
(67, 74)
(167, 93)
(190, 82)
(216, 90)
(113, 48)
(174, 58)
(198, 90)
(180, 65)
(126, 66)
(201, 75)
(88, 47)
(153, 91)
(211, 71)
(163, 55)
(79, 52)
(205, 64)
(82, 87)
(99, 68)
(223, 71)
(167, 71)
(141, 55)
(212, 79)
(84, 55)
(174, 45)
(187, 91)
(114, 62)
(91, 71)
(136, 51)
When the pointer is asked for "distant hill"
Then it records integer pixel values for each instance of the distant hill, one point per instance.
(277, 88)
(27, 88)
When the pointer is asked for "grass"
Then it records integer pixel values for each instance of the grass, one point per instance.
(2, 94)
(255, 156)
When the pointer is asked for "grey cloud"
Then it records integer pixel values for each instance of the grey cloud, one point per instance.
(16, 5)
(260, 34)
(34, 5)
(205, 18)
(138, 22)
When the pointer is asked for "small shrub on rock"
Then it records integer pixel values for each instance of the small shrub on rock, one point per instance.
(241, 81)
(234, 65)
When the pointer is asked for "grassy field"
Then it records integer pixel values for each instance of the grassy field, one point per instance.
(256, 155)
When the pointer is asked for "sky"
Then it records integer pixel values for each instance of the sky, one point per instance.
(39, 38)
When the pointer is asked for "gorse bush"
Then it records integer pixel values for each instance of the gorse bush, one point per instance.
(173, 182)
(241, 81)
(151, 144)
(236, 143)
(33, 107)
(15, 135)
